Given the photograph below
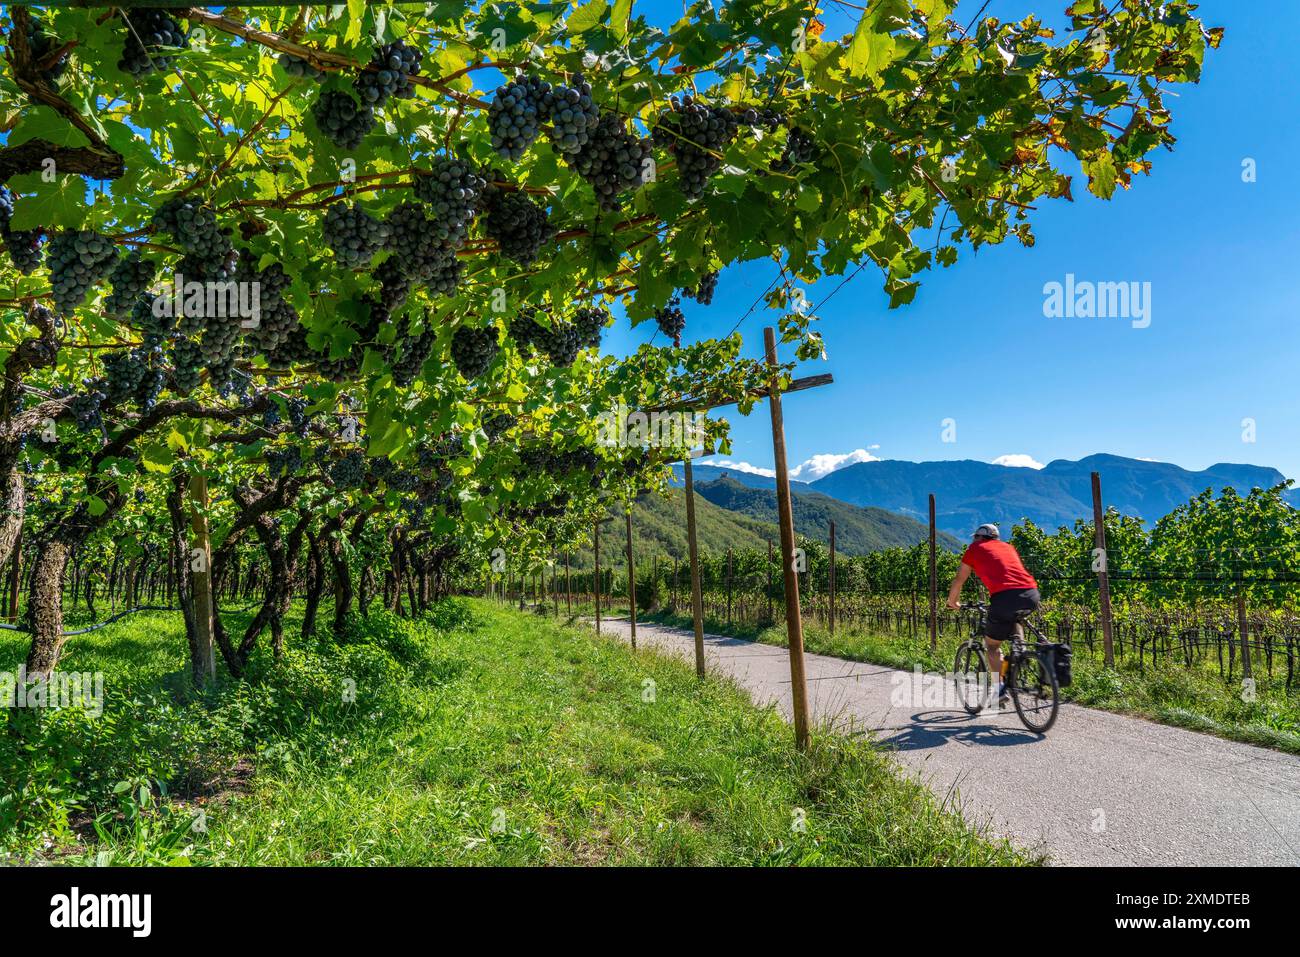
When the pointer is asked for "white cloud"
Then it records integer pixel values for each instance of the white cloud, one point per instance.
(741, 467)
(809, 470)
(828, 462)
(1018, 460)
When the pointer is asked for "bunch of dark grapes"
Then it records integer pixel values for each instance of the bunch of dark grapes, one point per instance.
(342, 120)
(217, 347)
(561, 343)
(78, 260)
(293, 348)
(516, 113)
(298, 418)
(394, 283)
(85, 407)
(519, 225)
(613, 160)
(472, 350)
(149, 31)
(696, 134)
(526, 331)
(287, 460)
(353, 234)
(499, 424)
(415, 350)
(275, 328)
(573, 115)
(155, 377)
(765, 117)
(296, 66)
(124, 372)
(390, 72)
(703, 291)
(41, 45)
(590, 322)
(187, 365)
(208, 249)
(24, 245)
(349, 471)
(452, 192)
(130, 280)
(341, 369)
(420, 252)
(671, 322)
(799, 149)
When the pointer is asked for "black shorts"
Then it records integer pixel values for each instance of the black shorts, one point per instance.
(1004, 606)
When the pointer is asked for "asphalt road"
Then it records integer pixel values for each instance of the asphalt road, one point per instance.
(1098, 789)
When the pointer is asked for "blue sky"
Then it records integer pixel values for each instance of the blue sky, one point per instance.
(1220, 254)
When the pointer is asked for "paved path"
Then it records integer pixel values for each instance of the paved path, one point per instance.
(1099, 789)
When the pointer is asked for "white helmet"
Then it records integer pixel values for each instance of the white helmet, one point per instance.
(988, 530)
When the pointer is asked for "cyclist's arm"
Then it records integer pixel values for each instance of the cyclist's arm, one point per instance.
(954, 593)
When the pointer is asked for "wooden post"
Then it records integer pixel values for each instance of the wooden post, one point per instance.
(16, 574)
(631, 578)
(568, 586)
(697, 599)
(673, 591)
(793, 621)
(934, 585)
(830, 587)
(770, 617)
(200, 559)
(1103, 578)
(1243, 629)
(728, 586)
(596, 546)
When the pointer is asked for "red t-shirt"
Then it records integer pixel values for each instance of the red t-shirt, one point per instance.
(998, 566)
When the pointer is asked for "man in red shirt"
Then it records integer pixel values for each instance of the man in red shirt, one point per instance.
(1011, 590)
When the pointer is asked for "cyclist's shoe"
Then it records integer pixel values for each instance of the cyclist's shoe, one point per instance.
(1002, 699)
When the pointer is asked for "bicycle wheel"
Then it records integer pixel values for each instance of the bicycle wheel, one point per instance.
(1035, 692)
(970, 672)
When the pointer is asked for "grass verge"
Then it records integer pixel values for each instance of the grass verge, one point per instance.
(477, 735)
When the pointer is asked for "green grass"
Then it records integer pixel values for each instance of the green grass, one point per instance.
(478, 735)
(1196, 698)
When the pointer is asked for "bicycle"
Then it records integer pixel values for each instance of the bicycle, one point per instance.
(1031, 674)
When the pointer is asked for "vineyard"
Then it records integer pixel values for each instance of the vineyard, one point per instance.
(303, 305)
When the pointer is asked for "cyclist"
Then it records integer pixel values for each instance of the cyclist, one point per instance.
(1011, 590)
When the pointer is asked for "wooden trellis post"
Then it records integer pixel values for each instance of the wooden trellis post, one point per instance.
(1103, 577)
(697, 599)
(200, 562)
(793, 619)
(596, 549)
(934, 585)
(631, 578)
(830, 587)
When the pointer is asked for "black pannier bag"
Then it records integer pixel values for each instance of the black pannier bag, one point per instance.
(1060, 658)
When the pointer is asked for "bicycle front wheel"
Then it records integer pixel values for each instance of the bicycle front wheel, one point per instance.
(1035, 693)
(970, 672)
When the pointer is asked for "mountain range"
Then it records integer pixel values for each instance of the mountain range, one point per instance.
(968, 492)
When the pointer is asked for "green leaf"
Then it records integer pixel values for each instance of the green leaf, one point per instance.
(587, 16)
(1101, 175)
(60, 204)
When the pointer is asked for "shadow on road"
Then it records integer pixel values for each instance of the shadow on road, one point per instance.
(932, 729)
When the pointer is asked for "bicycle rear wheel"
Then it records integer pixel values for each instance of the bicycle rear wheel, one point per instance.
(1035, 693)
(970, 672)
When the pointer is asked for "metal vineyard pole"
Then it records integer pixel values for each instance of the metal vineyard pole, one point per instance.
(1103, 578)
(793, 621)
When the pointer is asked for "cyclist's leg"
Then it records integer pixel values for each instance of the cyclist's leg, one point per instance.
(994, 649)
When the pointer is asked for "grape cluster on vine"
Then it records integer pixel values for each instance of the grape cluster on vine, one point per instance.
(41, 46)
(209, 254)
(24, 245)
(414, 351)
(800, 148)
(394, 283)
(130, 280)
(452, 190)
(472, 350)
(573, 115)
(349, 471)
(296, 66)
(590, 321)
(77, 260)
(613, 160)
(703, 290)
(515, 115)
(354, 235)
(520, 226)
(391, 68)
(150, 31)
(498, 425)
(419, 250)
(342, 120)
(671, 321)
(697, 134)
